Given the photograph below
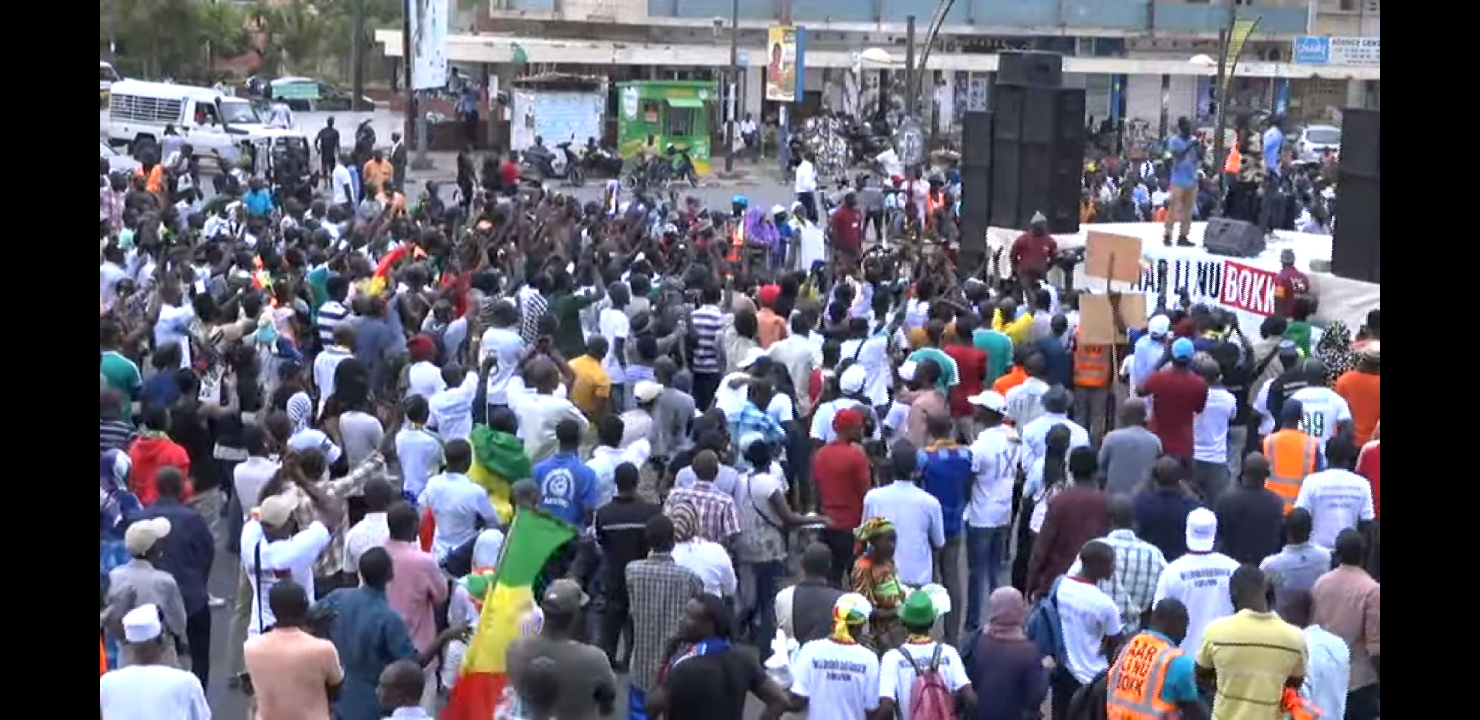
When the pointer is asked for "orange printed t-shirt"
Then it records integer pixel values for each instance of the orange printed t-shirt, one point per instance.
(1014, 377)
(1363, 392)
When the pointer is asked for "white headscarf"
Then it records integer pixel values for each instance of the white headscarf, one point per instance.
(487, 547)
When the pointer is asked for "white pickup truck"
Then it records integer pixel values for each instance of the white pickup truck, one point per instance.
(214, 124)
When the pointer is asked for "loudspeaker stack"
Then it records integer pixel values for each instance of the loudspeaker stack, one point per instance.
(976, 191)
(1038, 143)
(1355, 250)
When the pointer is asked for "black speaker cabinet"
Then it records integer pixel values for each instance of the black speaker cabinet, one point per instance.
(1355, 249)
(976, 139)
(1044, 69)
(1234, 238)
(1037, 156)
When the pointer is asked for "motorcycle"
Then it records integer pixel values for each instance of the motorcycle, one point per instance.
(560, 164)
(598, 161)
(674, 166)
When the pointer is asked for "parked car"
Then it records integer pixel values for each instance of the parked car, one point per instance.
(1317, 140)
(117, 161)
(304, 94)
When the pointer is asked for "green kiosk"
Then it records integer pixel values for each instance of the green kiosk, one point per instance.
(664, 112)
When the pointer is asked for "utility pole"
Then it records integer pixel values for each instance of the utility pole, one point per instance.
(356, 54)
(410, 122)
(911, 92)
(732, 111)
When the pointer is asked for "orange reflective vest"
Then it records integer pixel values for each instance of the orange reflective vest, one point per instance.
(1292, 455)
(1133, 685)
(154, 181)
(1091, 366)
(1234, 162)
(737, 244)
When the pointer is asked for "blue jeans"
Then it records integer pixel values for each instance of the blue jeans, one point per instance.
(761, 615)
(985, 548)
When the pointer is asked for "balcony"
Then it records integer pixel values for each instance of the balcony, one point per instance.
(1111, 17)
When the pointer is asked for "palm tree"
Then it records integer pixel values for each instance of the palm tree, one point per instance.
(296, 34)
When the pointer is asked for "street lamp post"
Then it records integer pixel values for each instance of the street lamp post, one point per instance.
(731, 105)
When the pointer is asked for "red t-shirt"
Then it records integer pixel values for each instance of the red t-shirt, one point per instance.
(971, 367)
(460, 283)
(1289, 284)
(508, 173)
(847, 228)
(1031, 252)
(814, 387)
(1369, 465)
(1176, 396)
(842, 474)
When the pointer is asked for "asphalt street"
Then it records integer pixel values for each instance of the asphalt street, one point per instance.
(759, 183)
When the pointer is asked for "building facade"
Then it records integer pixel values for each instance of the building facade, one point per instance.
(1307, 58)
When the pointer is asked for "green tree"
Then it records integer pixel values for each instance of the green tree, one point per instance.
(225, 30)
(143, 47)
(295, 36)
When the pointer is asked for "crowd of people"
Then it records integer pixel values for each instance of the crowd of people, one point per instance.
(348, 399)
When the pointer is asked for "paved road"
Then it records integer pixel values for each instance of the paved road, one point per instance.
(759, 184)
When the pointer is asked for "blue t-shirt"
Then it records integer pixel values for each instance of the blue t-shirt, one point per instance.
(1184, 162)
(258, 202)
(567, 487)
(1179, 685)
(1274, 142)
(946, 473)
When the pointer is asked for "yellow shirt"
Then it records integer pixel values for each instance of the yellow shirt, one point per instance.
(1017, 330)
(591, 384)
(1253, 654)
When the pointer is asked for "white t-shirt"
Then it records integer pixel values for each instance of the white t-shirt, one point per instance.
(806, 177)
(1200, 581)
(506, 345)
(840, 682)
(823, 414)
(152, 692)
(342, 180)
(1336, 499)
(289, 558)
(1321, 409)
(1087, 616)
(1025, 402)
(1210, 427)
(613, 325)
(173, 327)
(897, 676)
(994, 459)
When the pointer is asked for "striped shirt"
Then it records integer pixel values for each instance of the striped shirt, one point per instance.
(1138, 565)
(331, 315)
(532, 307)
(708, 323)
(114, 435)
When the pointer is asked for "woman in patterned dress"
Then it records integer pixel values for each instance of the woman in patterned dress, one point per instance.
(874, 578)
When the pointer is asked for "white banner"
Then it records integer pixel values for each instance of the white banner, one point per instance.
(428, 23)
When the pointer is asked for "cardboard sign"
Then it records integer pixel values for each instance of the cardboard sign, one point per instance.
(1097, 321)
(1112, 257)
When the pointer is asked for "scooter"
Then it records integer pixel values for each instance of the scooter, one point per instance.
(561, 164)
(599, 161)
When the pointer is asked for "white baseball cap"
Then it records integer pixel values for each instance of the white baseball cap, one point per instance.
(1202, 530)
(907, 371)
(852, 379)
(991, 400)
(1159, 326)
(142, 535)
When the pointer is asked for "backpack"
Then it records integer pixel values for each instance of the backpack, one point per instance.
(1045, 628)
(930, 699)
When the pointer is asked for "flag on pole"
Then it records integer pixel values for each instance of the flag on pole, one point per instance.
(1238, 35)
(533, 537)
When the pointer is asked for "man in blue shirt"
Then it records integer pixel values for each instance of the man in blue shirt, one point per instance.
(1178, 684)
(1272, 206)
(567, 486)
(1184, 149)
(946, 473)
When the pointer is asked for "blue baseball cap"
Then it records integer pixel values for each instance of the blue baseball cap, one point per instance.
(1182, 349)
